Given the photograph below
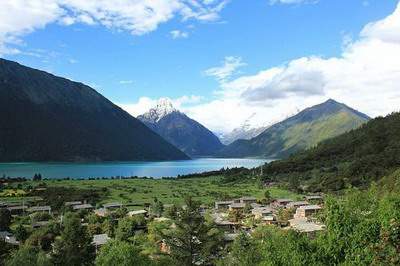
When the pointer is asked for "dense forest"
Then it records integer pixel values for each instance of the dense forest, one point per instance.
(353, 159)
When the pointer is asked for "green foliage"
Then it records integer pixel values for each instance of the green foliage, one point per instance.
(74, 246)
(120, 253)
(5, 219)
(27, 255)
(157, 208)
(126, 229)
(192, 240)
(21, 234)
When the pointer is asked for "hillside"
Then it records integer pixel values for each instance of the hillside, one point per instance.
(355, 158)
(185, 133)
(304, 130)
(49, 118)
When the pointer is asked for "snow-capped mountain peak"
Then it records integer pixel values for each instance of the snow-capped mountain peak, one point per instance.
(164, 107)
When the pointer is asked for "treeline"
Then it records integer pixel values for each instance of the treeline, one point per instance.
(355, 158)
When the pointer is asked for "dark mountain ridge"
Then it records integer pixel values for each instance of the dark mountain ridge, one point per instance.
(48, 118)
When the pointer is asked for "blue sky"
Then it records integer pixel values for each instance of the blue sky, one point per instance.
(172, 58)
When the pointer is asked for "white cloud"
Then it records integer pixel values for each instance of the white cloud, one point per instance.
(21, 17)
(226, 70)
(365, 76)
(177, 34)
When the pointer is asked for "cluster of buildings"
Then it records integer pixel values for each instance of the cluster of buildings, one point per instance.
(303, 219)
(248, 207)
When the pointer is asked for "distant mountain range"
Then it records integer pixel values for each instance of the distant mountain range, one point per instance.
(301, 131)
(48, 118)
(185, 133)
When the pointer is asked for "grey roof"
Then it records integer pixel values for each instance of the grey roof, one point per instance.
(40, 224)
(283, 200)
(101, 212)
(237, 205)
(310, 207)
(4, 234)
(101, 239)
(225, 202)
(72, 203)
(39, 208)
(312, 197)
(82, 207)
(112, 205)
(247, 198)
(131, 213)
(262, 210)
(304, 226)
(298, 203)
(17, 208)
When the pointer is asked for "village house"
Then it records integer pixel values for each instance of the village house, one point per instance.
(247, 200)
(72, 203)
(102, 212)
(223, 205)
(237, 206)
(261, 212)
(306, 211)
(304, 226)
(315, 199)
(113, 205)
(40, 209)
(138, 212)
(17, 210)
(40, 224)
(297, 204)
(100, 240)
(82, 207)
(8, 238)
(280, 203)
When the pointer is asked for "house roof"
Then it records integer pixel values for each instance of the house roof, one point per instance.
(131, 213)
(237, 205)
(112, 204)
(101, 239)
(72, 203)
(226, 202)
(283, 200)
(313, 197)
(82, 207)
(298, 203)
(247, 198)
(39, 208)
(310, 207)
(262, 210)
(17, 208)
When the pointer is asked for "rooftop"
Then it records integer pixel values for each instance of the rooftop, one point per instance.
(72, 203)
(39, 208)
(82, 206)
(112, 205)
(101, 239)
(310, 207)
(131, 213)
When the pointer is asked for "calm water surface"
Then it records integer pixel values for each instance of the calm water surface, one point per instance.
(109, 169)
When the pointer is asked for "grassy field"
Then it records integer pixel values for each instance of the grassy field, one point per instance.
(140, 191)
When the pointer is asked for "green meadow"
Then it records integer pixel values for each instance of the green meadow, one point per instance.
(141, 191)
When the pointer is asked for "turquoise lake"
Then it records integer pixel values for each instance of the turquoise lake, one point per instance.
(110, 169)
